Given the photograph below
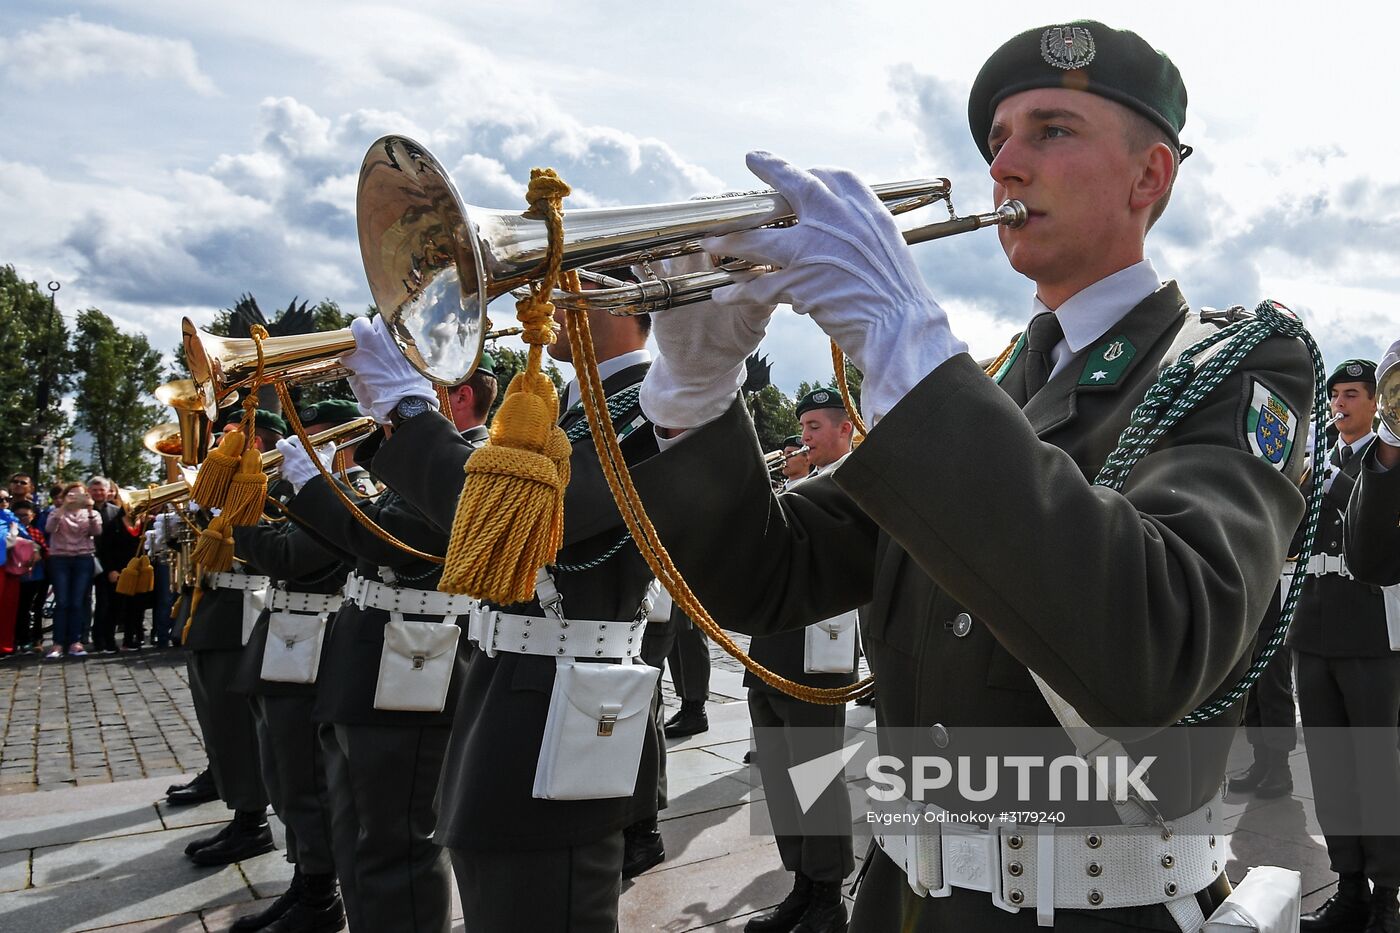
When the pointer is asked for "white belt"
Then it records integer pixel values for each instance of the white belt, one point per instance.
(370, 594)
(1089, 867)
(1321, 564)
(497, 631)
(304, 602)
(236, 581)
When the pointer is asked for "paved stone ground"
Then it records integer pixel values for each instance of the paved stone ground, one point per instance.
(87, 843)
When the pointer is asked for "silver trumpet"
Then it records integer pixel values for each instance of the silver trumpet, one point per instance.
(434, 263)
(1388, 396)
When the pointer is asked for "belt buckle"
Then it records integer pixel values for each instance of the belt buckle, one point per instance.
(969, 859)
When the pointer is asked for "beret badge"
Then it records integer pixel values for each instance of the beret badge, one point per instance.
(1067, 47)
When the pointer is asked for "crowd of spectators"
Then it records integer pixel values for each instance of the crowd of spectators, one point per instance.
(62, 556)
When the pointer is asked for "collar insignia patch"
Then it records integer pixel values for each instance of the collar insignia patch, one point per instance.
(1108, 362)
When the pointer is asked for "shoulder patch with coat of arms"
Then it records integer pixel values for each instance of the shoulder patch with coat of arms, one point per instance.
(1270, 426)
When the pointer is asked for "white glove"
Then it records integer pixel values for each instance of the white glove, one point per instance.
(153, 545)
(379, 376)
(702, 352)
(845, 264)
(297, 467)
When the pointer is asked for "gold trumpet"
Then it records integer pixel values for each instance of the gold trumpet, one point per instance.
(153, 497)
(192, 422)
(776, 458)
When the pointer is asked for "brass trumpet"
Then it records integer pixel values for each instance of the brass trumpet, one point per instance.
(153, 497)
(193, 424)
(434, 262)
(776, 458)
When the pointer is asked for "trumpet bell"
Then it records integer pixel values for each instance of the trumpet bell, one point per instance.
(434, 263)
(183, 396)
(153, 497)
(1388, 397)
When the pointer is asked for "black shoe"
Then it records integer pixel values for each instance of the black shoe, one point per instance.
(691, 719)
(1344, 912)
(318, 908)
(200, 778)
(196, 791)
(1385, 911)
(249, 835)
(200, 843)
(1277, 783)
(271, 912)
(642, 848)
(826, 912)
(867, 700)
(784, 917)
(1247, 780)
(748, 757)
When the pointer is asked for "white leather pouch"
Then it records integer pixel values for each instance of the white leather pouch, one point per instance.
(595, 730)
(830, 647)
(293, 650)
(254, 602)
(1392, 614)
(415, 667)
(1268, 900)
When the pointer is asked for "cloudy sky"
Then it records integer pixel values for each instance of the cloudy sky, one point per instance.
(161, 158)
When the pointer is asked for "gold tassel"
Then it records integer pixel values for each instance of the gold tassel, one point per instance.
(213, 552)
(217, 471)
(189, 619)
(128, 578)
(509, 519)
(175, 607)
(146, 579)
(247, 490)
(510, 516)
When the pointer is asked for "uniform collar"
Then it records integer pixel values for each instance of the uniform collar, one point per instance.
(1360, 444)
(608, 368)
(1087, 315)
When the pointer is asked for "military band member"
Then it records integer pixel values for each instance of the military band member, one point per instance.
(1373, 517)
(215, 643)
(1348, 676)
(967, 519)
(818, 862)
(384, 764)
(796, 465)
(689, 663)
(307, 582)
(522, 862)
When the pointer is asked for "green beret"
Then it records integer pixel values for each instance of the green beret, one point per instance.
(1084, 55)
(819, 398)
(331, 412)
(487, 362)
(268, 420)
(1352, 371)
(792, 440)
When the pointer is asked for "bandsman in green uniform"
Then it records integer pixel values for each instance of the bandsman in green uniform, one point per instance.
(968, 519)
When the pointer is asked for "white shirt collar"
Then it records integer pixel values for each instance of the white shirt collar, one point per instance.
(1358, 445)
(1089, 313)
(608, 368)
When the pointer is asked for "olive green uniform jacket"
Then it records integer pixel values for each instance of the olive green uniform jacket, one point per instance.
(1136, 606)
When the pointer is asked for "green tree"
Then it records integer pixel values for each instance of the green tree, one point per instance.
(774, 416)
(117, 373)
(38, 372)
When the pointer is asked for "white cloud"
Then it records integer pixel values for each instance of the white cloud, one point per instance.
(70, 50)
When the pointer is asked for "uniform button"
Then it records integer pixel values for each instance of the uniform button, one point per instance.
(939, 733)
(962, 625)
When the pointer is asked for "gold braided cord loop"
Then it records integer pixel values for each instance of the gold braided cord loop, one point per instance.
(644, 533)
(838, 366)
(285, 396)
(510, 517)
